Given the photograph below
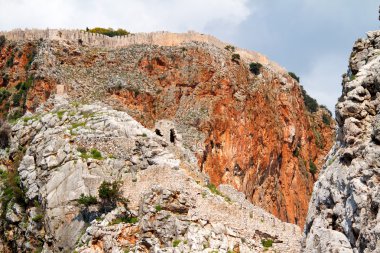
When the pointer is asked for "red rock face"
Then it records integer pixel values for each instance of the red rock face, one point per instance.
(258, 135)
(17, 78)
(252, 132)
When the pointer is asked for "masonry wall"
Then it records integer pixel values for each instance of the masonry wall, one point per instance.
(154, 38)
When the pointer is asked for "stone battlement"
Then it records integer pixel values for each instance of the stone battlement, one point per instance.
(154, 38)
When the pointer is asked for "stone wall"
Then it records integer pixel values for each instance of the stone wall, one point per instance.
(154, 38)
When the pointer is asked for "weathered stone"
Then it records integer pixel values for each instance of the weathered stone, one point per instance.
(343, 212)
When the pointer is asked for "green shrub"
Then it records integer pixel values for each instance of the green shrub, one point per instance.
(11, 190)
(310, 103)
(108, 31)
(96, 154)
(38, 218)
(87, 200)
(4, 94)
(125, 219)
(294, 76)
(110, 194)
(230, 48)
(326, 119)
(296, 152)
(255, 67)
(10, 61)
(15, 115)
(213, 189)
(16, 99)
(176, 243)
(5, 80)
(313, 167)
(327, 109)
(267, 243)
(5, 130)
(235, 57)
(2, 40)
(158, 208)
(31, 57)
(60, 114)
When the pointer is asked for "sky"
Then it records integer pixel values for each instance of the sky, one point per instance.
(312, 38)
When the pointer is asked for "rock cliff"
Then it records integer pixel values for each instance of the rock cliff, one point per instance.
(344, 209)
(66, 151)
(248, 129)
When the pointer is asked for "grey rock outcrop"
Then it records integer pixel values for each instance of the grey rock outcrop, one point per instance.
(71, 149)
(344, 210)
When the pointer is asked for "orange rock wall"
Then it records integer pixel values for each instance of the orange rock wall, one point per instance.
(250, 143)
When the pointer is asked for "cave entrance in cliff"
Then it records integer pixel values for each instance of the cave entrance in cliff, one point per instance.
(172, 136)
(158, 132)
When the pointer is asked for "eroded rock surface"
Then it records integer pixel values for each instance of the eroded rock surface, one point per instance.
(246, 130)
(344, 209)
(167, 193)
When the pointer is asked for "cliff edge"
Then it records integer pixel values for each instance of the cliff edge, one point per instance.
(344, 210)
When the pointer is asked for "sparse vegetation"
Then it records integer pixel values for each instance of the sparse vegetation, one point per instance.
(9, 63)
(158, 208)
(30, 57)
(319, 141)
(38, 218)
(313, 167)
(267, 243)
(213, 189)
(125, 219)
(230, 48)
(60, 114)
(87, 200)
(255, 67)
(15, 115)
(94, 153)
(294, 76)
(310, 103)
(108, 31)
(235, 58)
(326, 119)
(16, 99)
(11, 189)
(296, 151)
(110, 194)
(176, 243)
(4, 94)
(5, 130)
(2, 40)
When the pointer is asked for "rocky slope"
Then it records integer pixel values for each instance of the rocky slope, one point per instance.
(344, 209)
(248, 130)
(67, 149)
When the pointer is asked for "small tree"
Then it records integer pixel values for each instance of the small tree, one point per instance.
(230, 48)
(294, 76)
(255, 67)
(110, 194)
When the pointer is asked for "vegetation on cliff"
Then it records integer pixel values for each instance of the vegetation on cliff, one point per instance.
(108, 31)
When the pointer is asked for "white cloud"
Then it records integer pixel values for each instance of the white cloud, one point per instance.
(134, 15)
(323, 80)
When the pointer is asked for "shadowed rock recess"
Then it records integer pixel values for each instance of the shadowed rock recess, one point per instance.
(179, 119)
(344, 209)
